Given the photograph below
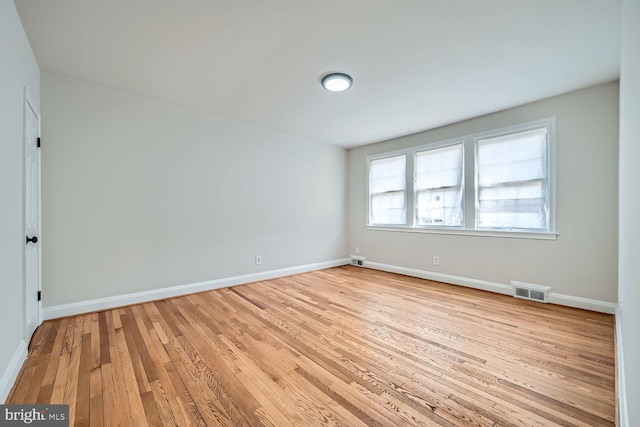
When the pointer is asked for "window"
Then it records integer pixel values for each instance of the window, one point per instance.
(387, 187)
(438, 187)
(498, 181)
(512, 181)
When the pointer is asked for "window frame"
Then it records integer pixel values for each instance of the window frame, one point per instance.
(469, 186)
(429, 147)
(406, 190)
(548, 180)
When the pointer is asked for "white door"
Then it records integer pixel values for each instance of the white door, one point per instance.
(31, 220)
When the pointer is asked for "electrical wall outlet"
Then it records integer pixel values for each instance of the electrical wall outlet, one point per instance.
(258, 259)
(357, 250)
(436, 260)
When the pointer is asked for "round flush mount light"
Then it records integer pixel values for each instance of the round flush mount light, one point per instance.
(337, 82)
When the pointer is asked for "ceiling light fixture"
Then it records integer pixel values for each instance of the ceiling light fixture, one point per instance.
(337, 82)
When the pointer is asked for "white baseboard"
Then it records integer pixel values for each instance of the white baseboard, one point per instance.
(10, 374)
(567, 300)
(446, 278)
(584, 303)
(623, 417)
(106, 303)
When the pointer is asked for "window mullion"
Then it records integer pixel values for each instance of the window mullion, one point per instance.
(469, 183)
(411, 195)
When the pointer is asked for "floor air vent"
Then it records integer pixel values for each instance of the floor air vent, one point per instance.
(530, 291)
(358, 261)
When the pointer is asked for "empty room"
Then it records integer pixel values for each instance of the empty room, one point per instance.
(297, 213)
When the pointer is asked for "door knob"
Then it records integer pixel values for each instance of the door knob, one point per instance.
(33, 239)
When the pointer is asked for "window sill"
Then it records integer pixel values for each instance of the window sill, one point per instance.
(458, 232)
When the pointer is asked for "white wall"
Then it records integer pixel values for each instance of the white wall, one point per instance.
(18, 69)
(582, 262)
(140, 195)
(629, 267)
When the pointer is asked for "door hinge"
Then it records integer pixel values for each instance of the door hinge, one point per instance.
(39, 295)
(38, 142)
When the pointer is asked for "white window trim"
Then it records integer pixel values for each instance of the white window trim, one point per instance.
(462, 232)
(470, 182)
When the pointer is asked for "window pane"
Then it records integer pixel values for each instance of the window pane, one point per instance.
(387, 190)
(512, 180)
(388, 208)
(439, 189)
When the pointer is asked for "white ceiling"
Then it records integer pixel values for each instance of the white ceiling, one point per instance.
(416, 65)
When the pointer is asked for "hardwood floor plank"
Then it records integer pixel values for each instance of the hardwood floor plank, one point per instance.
(202, 401)
(54, 344)
(151, 411)
(105, 353)
(83, 393)
(21, 388)
(342, 346)
(118, 403)
(57, 394)
(96, 403)
(44, 395)
(133, 341)
(124, 364)
(183, 405)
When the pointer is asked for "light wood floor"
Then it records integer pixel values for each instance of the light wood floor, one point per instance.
(345, 346)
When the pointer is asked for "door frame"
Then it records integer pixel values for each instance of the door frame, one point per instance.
(30, 105)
